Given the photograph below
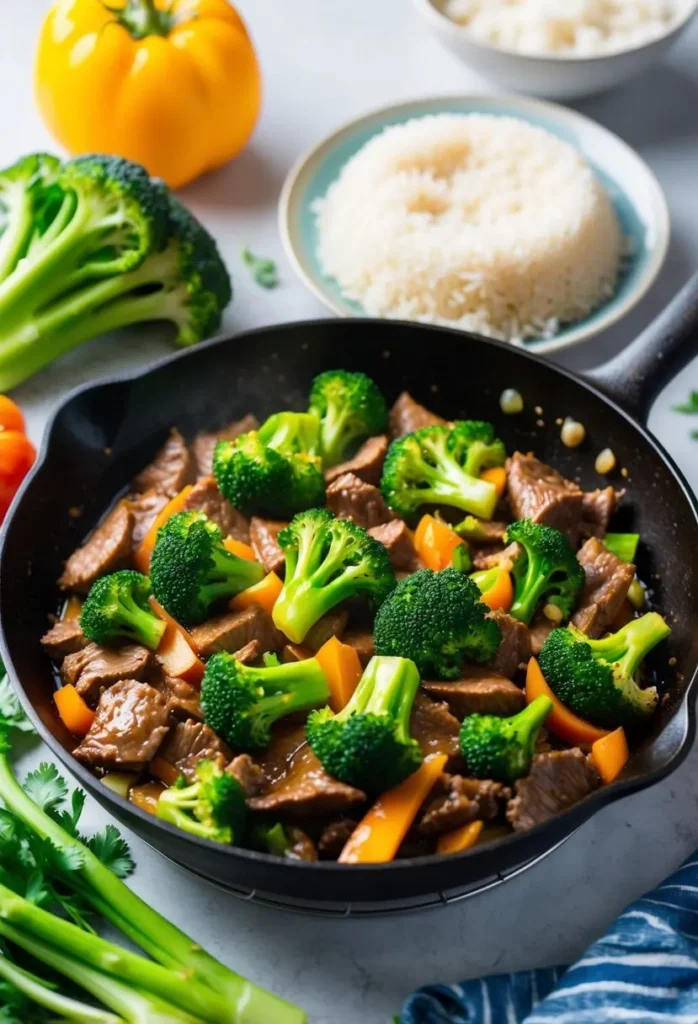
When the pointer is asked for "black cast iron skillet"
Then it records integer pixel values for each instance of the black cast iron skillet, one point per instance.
(104, 433)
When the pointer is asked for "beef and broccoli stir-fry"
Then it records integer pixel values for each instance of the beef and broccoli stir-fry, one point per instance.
(350, 616)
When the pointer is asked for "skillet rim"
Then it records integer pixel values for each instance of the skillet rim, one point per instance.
(571, 819)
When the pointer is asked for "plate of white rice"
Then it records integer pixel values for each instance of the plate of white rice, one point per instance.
(501, 216)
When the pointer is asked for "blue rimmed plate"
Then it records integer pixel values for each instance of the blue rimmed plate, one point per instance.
(635, 193)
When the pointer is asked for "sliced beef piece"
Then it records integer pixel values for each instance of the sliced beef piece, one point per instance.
(488, 532)
(539, 492)
(188, 743)
(331, 624)
(108, 548)
(335, 836)
(624, 616)
(350, 498)
(479, 691)
(407, 415)
(248, 773)
(295, 652)
(263, 534)
(362, 642)
(396, 538)
(204, 444)
(206, 498)
(145, 508)
(367, 464)
(515, 647)
(456, 800)
(435, 728)
(605, 589)
(63, 638)
(297, 785)
(597, 509)
(539, 631)
(491, 555)
(183, 698)
(170, 470)
(557, 780)
(94, 669)
(302, 846)
(234, 630)
(130, 724)
(249, 653)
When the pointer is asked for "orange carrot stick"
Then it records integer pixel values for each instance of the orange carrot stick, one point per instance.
(460, 839)
(342, 669)
(435, 542)
(176, 652)
(74, 712)
(497, 475)
(264, 593)
(377, 838)
(237, 547)
(142, 556)
(563, 722)
(610, 754)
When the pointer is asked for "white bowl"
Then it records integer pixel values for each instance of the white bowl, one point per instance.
(554, 77)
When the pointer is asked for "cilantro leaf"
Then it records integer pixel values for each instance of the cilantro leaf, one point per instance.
(11, 713)
(111, 849)
(689, 408)
(46, 787)
(263, 270)
(68, 819)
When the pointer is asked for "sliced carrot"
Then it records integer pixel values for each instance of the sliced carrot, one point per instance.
(72, 609)
(435, 542)
(610, 754)
(497, 475)
(377, 837)
(342, 669)
(175, 652)
(237, 547)
(500, 592)
(264, 593)
(460, 839)
(74, 712)
(142, 556)
(146, 796)
(164, 770)
(563, 722)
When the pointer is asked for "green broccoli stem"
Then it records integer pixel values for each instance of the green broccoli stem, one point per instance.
(248, 1004)
(130, 1003)
(230, 575)
(629, 646)
(528, 590)
(46, 996)
(302, 602)
(15, 236)
(334, 434)
(388, 687)
(527, 724)
(146, 626)
(289, 687)
(452, 484)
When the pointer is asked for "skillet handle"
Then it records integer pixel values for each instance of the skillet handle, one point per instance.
(636, 375)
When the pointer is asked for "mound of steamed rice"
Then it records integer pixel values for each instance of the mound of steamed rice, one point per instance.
(485, 223)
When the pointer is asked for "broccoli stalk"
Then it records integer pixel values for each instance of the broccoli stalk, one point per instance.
(241, 702)
(546, 568)
(25, 987)
(503, 748)
(440, 465)
(327, 561)
(117, 608)
(368, 744)
(213, 807)
(190, 569)
(596, 678)
(349, 408)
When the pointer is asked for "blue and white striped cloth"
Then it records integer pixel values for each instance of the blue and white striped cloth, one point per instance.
(643, 971)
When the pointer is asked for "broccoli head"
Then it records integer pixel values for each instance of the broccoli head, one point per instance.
(190, 568)
(546, 569)
(368, 744)
(440, 465)
(213, 807)
(437, 620)
(29, 200)
(596, 678)
(327, 561)
(503, 748)
(350, 408)
(242, 702)
(117, 608)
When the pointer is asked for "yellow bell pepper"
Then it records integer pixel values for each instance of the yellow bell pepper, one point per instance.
(174, 86)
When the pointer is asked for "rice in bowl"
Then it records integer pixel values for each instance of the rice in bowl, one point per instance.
(484, 223)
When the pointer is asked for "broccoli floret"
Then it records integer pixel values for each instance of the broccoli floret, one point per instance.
(28, 204)
(437, 620)
(502, 748)
(596, 678)
(241, 702)
(190, 568)
(350, 408)
(117, 608)
(368, 744)
(273, 471)
(212, 808)
(546, 568)
(440, 465)
(327, 561)
(108, 247)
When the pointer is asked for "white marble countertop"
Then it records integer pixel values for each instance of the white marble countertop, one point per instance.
(324, 63)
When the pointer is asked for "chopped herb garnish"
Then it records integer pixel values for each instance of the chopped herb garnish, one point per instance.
(689, 408)
(263, 270)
